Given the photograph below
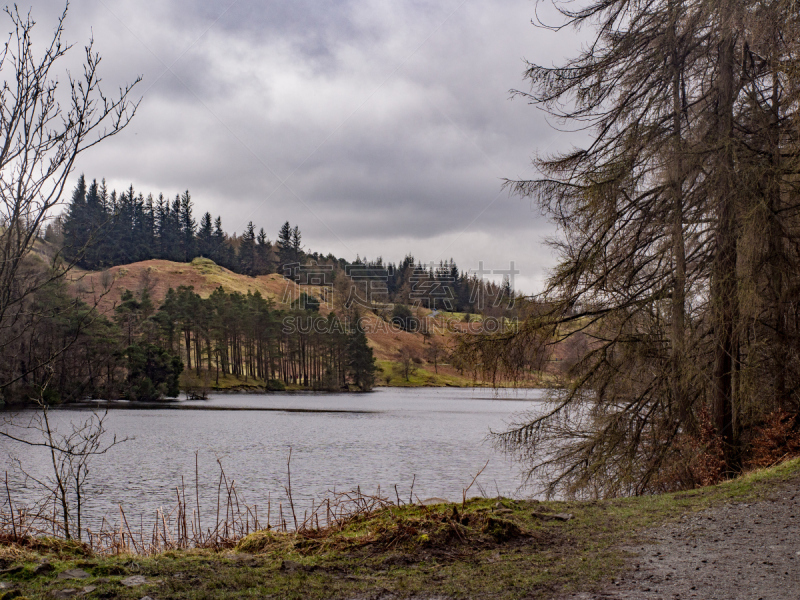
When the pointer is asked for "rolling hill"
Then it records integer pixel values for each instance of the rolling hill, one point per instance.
(104, 289)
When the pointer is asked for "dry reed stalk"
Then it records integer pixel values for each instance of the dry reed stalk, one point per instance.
(197, 491)
(181, 527)
(11, 509)
(289, 491)
(464, 493)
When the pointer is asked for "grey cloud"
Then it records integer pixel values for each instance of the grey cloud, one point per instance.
(390, 120)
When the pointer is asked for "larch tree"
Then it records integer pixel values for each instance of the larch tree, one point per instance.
(653, 217)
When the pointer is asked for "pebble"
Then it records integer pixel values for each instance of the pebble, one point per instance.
(43, 568)
(134, 580)
(72, 574)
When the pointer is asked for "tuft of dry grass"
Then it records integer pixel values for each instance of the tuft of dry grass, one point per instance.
(408, 529)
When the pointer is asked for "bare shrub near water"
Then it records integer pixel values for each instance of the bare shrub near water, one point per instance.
(186, 523)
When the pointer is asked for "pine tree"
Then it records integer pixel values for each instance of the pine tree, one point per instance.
(205, 236)
(360, 361)
(187, 227)
(76, 224)
(285, 250)
(247, 250)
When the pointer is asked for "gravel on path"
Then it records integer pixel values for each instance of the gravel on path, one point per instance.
(736, 551)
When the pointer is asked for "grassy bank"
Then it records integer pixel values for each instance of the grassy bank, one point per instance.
(389, 374)
(486, 548)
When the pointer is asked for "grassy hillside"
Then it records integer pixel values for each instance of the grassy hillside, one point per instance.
(158, 276)
(105, 289)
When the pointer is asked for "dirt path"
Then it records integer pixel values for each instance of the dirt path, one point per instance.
(736, 551)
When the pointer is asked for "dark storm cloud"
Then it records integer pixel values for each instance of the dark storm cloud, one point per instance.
(312, 25)
(378, 127)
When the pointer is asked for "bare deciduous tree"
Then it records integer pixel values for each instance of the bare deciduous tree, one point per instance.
(434, 352)
(45, 124)
(70, 454)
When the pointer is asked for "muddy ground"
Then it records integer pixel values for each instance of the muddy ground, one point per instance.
(735, 551)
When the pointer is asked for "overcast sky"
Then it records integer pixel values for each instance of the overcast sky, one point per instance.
(379, 127)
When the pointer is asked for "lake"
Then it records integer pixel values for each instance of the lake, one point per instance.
(433, 437)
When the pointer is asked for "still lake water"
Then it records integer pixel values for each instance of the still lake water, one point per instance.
(436, 437)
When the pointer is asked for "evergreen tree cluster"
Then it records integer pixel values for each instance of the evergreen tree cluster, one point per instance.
(246, 336)
(439, 286)
(66, 352)
(102, 229)
(63, 351)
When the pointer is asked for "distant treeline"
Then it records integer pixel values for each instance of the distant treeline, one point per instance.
(61, 350)
(244, 335)
(103, 228)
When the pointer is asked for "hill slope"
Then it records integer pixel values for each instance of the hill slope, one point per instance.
(105, 289)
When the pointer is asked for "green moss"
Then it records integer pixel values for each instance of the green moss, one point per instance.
(502, 530)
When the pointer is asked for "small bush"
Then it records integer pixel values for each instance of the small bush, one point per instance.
(775, 440)
(275, 385)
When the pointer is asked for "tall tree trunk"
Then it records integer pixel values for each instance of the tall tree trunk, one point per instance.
(187, 338)
(778, 262)
(724, 284)
(680, 396)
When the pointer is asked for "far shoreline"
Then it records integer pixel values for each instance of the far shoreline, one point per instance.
(180, 403)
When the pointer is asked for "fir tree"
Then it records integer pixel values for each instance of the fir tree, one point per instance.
(149, 227)
(221, 253)
(285, 246)
(103, 196)
(123, 229)
(75, 223)
(162, 218)
(175, 250)
(140, 242)
(187, 226)
(95, 222)
(296, 245)
(263, 254)
(205, 236)
(247, 250)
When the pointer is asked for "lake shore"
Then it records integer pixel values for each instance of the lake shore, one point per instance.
(251, 390)
(389, 375)
(484, 548)
(340, 441)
